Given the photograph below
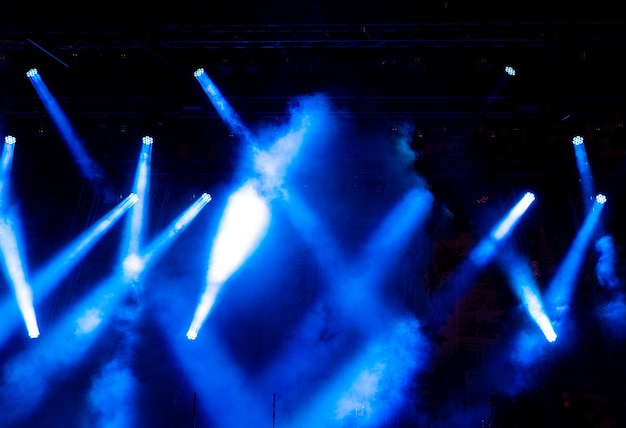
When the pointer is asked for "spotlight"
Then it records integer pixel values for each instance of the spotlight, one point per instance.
(192, 334)
(600, 198)
(9, 139)
(31, 73)
(147, 140)
(206, 197)
(133, 197)
(577, 140)
(509, 70)
(198, 72)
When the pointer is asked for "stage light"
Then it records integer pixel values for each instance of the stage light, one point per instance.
(242, 227)
(9, 139)
(601, 199)
(89, 167)
(133, 266)
(577, 140)
(223, 108)
(561, 287)
(147, 140)
(11, 259)
(161, 242)
(503, 229)
(509, 70)
(31, 73)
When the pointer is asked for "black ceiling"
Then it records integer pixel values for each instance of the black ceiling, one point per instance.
(124, 69)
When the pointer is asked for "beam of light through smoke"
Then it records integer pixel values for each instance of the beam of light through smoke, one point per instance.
(45, 280)
(136, 222)
(5, 167)
(523, 284)
(584, 172)
(562, 285)
(12, 262)
(247, 214)
(222, 106)
(243, 225)
(164, 239)
(114, 389)
(87, 166)
(482, 254)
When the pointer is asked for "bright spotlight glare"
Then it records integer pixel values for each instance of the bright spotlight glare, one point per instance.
(147, 140)
(206, 197)
(32, 72)
(192, 334)
(577, 140)
(9, 139)
(509, 70)
(133, 266)
(198, 72)
(133, 197)
(601, 199)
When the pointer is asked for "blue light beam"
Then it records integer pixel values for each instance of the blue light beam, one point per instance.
(15, 272)
(584, 171)
(5, 167)
(523, 283)
(165, 238)
(135, 225)
(224, 109)
(87, 166)
(57, 269)
(242, 227)
(563, 283)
